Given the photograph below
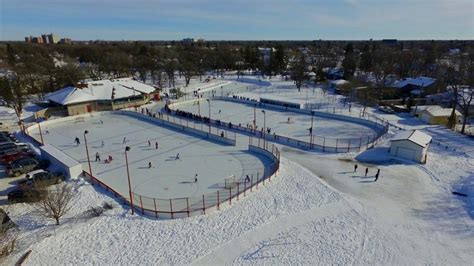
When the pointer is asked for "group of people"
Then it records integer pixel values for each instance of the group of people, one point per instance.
(192, 116)
(377, 174)
(108, 160)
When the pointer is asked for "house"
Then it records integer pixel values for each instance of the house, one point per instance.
(414, 86)
(336, 85)
(101, 95)
(411, 145)
(434, 114)
(334, 73)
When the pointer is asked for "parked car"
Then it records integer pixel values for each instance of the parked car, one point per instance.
(386, 109)
(41, 178)
(25, 195)
(9, 145)
(17, 147)
(25, 165)
(14, 155)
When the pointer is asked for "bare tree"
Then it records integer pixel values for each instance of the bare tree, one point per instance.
(56, 203)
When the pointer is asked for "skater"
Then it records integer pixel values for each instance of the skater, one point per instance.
(110, 158)
(124, 140)
(220, 111)
(149, 143)
(355, 168)
(156, 145)
(97, 157)
(247, 179)
(376, 176)
(47, 130)
(177, 156)
(195, 178)
(149, 164)
(102, 144)
(366, 171)
(77, 141)
(101, 121)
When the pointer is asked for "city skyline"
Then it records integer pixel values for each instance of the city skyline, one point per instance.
(239, 20)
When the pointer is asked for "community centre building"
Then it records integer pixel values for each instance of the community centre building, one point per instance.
(101, 95)
(411, 145)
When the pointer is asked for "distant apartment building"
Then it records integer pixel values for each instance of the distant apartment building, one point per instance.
(38, 40)
(65, 41)
(46, 39)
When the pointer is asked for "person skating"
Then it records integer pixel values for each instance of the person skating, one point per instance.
(177, 156)
(366, 171)
(195, 178)
(77, 141)
(149, 143)
(124, 140)
(355, 168)
(97, 157)
(156, 145)
(247, 179)
(149, 164)
(102, 144)
(377, 175)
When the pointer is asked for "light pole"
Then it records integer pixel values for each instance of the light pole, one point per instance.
(311, 130)
(87, 152)
(209, 102)
(199, 106)
(41, 133)
(129, 183)
(264, 128)
(255, 117)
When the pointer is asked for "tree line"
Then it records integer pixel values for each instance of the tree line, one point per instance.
(38, 70)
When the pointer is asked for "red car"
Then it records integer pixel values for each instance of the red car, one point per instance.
(15, 155)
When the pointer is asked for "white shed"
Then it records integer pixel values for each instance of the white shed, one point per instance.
(411, 145)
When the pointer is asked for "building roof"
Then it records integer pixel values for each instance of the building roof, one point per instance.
(421, 82)
(415, 136)
(436, 110)
(100, 90)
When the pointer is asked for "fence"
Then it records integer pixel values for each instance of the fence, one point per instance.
(314, 142)
(185, 125)
(191, 206)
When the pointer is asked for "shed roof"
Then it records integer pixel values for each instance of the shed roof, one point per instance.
(100, 90)
(415, 136)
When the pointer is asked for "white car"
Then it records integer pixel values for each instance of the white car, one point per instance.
(386, 109)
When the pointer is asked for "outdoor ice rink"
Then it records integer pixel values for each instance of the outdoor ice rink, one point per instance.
(278, 120)
(169, 177)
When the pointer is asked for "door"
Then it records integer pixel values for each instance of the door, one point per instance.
(405, 153)
(89, 108)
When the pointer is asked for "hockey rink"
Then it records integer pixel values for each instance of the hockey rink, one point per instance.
(169, 176)
(239, 113)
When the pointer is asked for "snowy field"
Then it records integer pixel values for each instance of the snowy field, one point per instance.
(238, 113)
(317, 211)
(168, 177)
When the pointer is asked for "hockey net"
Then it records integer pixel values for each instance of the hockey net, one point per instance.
(230, 182)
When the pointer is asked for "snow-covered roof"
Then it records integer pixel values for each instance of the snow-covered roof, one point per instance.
(100, 90)
(419, 82)
(414, 136)
(436, 110)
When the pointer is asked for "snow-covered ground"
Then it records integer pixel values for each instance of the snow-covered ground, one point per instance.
(316, 211)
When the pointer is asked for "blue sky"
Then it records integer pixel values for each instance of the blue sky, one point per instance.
(238, 20)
